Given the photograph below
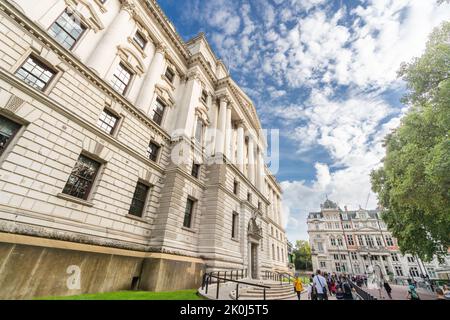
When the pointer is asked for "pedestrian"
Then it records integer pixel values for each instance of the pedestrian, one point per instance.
(311, 290)
(339, 294)
(333, 287)
(298, 287)
(446, 291)
(440, 294)
(412, 293)
(321, 286)
(346, 287)
(388, 289)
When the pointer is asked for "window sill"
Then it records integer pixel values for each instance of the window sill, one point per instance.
(235, 240)
(188, 230)
(74, 199)
(172, 86)
(130, 216)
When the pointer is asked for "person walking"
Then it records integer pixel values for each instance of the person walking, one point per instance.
(298, 287)
(412, 293)
(347, 288)
(311, 290)
(388, 289)
(321, 286)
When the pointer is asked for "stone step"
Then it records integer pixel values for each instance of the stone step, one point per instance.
(268, 296)
(259, 290)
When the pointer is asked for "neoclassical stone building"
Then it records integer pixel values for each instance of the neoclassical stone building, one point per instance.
(128, 157)
(352, 241)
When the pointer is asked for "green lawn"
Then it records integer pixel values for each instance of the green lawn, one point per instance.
(133, 295)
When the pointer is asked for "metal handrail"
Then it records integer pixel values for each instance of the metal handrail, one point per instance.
(207, 279)
(360, 292)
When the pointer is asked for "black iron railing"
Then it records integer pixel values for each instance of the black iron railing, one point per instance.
(229, 276)
(364, 295)
(278, 276)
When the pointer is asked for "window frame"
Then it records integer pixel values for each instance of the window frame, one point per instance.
(83, 26)
(234, 225)
(129, 70)
(12, 138)
(114, 129)
(40, 63)
(195, 171)
(190, 215)
(159, 102)
(139, 34)
(171, 72)
(142, 201)
(93, 181)
(158, 151)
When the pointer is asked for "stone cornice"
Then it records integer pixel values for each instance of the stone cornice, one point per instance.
(165, 23)
(75, 63)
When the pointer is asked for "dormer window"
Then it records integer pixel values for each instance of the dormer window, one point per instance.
(170, 74)
(140, 40)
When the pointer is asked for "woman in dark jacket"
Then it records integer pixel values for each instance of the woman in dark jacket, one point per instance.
(388, 289)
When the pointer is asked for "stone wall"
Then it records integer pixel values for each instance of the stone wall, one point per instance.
(52, 267)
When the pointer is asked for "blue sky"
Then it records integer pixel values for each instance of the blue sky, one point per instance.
(325, 74)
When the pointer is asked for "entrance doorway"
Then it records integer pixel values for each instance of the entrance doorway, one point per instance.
(254, 260)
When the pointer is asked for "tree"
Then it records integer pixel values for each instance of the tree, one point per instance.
(413, 185)
(302, 255)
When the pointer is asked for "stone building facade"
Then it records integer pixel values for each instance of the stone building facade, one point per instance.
(128, 157)
(354, 241)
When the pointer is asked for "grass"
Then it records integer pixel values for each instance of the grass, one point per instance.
(133, 295)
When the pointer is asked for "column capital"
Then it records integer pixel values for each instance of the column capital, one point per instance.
(224, 98)
(129, 6)
(239, 123)
(160, 48)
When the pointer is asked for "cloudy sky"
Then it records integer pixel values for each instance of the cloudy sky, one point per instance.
(325, 73)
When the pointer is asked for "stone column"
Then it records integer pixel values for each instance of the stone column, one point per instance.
(251, 160)
(154, 73)
(257, 175)
(221, 126)
(240, 146)
(211, 130)
(228, 146)
(103, 54)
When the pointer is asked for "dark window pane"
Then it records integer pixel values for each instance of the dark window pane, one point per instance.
(152, 151)
(8, 129)
(195, 170)
(35, 73)
(234, 226)
(140, 40)
(158, 112)
(121, 78)
(107, 121)
(82, 178)
(188, 213)
(170, 75)
(138, 202)
(67, 29)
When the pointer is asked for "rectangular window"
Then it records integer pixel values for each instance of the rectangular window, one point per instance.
(398, 271)
(323, 264)
(340, 243)
(259, 205)
(350, 240)
(139, 39)
(369, 241)
(188, 213)
(107, 121)
(357, 268)
(8, 130)
(199, 132)
(411, 259)
(35, 73)
(338, 267)
(82, 178)
(170, 75)
(234, 225)
(138, 201)
(121, 78)
(333, 242)
(413, 272)
(153, 151)
(354, 256)
(343, 257)
(394, 257)
(67, 29)
(336, 256)
(195, 170)
(379, 242)
(235, 187)
(360, 240)
(249, 197)
(389, 241)
(158, 112)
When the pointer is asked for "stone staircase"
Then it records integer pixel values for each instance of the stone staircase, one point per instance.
(227, 291)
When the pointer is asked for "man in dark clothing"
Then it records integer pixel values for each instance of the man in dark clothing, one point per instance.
(388, 289)
(347, 288)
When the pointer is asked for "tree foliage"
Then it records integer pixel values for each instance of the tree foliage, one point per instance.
(302, 255)
(414, 183)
